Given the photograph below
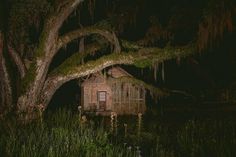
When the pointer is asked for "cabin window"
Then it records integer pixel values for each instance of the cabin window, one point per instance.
(102, 96)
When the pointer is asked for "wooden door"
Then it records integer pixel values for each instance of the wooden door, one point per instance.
(102, 100)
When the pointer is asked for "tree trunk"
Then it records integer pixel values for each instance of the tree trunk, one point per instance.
(6, 90)
(27, 109)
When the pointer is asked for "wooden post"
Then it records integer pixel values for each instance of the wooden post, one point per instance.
(138, 96)
(129, 97)
(144, 97)
(144, 93)
(120, 96)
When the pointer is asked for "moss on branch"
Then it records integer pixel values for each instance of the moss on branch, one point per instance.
(42, 41)
(76, 59)
(141, 58)
(128, 45)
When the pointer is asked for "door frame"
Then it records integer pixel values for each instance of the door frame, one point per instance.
(98, 99)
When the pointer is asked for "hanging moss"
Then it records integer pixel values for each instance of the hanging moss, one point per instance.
(155, 92)
(91, 8)
(218, 19)
(155, 68)
(163, 72)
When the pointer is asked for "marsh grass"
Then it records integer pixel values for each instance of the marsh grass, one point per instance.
(207, 137)
(63, 134)
(59, 135)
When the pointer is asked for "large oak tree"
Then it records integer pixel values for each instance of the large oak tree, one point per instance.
(29, 89)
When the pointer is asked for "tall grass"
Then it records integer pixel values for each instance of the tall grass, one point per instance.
(64, 134)
(59, 135)
(208, 138)
(193, 138)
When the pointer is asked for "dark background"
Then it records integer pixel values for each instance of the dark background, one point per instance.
(213, 69)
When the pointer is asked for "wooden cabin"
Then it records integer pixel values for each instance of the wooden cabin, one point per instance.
(103, 94)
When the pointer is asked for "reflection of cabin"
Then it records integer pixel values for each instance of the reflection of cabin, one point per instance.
(103, 94)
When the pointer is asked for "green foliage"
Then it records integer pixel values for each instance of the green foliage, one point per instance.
(65, 134)
(158, 55)
(128, 45)
(61, 134)
(143, 63)
(194, 138)
(207, 139)
(40, 49)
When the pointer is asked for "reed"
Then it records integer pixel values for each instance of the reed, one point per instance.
(139, 124)
(125, 130)
(61, 135)
(66, 134)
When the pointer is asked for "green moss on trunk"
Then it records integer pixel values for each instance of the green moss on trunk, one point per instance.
(29, 78)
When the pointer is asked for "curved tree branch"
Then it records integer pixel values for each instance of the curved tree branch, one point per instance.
(18, 61)
(50, 33)
(45, 52)
(78, 57)
(143, 56)
(110, 36)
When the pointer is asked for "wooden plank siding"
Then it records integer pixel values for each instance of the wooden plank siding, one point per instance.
(121, 97)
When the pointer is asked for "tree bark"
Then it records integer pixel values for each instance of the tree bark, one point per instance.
(44, 54)
(6, 90)
(109, 36)
(18, 61)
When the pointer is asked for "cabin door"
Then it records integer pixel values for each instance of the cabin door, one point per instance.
(102, 100)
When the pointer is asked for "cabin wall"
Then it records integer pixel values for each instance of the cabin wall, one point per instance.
(90, 97)
(127, 98)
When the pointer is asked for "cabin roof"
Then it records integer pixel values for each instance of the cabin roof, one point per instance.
(117, 72)
(114, 72)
